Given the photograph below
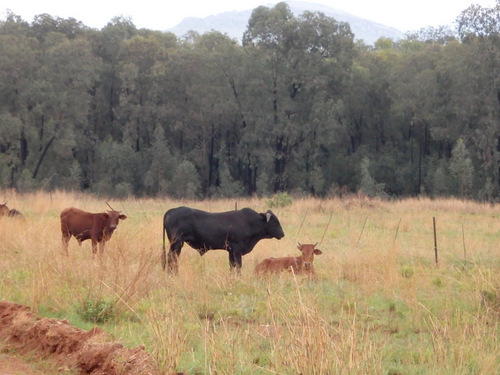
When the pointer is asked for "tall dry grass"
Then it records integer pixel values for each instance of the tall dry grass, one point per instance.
(378, 305)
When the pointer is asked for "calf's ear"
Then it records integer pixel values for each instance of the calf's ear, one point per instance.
(317, 251)
(122, 217)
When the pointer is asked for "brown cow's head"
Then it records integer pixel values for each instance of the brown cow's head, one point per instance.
(4, 210)
(308, 251)
(113, 217)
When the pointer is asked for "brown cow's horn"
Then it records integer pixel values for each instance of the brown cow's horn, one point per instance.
(112, 209)
(299, 243)
(315, 245)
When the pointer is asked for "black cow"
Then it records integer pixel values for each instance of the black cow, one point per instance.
(235, 231)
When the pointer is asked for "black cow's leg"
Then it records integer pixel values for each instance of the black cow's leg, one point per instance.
(173, 255)
(232, 262)
(235, 260)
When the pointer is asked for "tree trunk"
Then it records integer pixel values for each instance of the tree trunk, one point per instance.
(42, 156)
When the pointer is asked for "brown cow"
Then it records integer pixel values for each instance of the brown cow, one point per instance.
(4, 211)
(298, 264)
(97, 227)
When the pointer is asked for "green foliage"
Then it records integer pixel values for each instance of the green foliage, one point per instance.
(368, 185)
(441, 181)
(461, 168)
(185, 182)
(229, 187)
(298, 107)
(280, 200)
(438, 282)
(491, 299)
(97, 311)
(407, 271)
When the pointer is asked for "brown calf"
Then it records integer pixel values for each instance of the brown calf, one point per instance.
(97, 227)
(298, 264)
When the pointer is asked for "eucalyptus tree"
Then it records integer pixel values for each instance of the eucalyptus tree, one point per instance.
(162, 165)
(369, 125)
(478, 84)
(204, 120)
(55, 62)
(137, 111)
(303, 63)
(461, 169)
(420, 95)
(44, 24)
(70, 71)
(322, 72)
(18, 70)
(108, 45)
(270, 35)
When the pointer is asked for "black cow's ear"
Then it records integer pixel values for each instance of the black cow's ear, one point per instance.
(268, 216)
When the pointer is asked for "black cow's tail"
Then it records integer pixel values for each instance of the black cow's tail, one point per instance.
(164, 252)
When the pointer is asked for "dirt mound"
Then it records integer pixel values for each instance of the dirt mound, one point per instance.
(90, 352)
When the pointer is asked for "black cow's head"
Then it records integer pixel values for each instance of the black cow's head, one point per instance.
(273, 225)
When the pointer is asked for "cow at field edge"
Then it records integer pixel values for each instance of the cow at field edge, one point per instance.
(300, 264)
(83, 225)
(235, 231)
(5, 211)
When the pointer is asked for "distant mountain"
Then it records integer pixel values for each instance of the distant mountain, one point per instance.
(235, 23)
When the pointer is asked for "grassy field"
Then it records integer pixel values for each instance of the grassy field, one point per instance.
(378, 305)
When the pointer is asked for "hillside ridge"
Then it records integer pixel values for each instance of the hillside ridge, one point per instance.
(234, 23)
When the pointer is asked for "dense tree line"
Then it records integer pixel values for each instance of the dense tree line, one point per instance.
(298, 106)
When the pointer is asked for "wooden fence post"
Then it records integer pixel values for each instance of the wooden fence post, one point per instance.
(435, 240)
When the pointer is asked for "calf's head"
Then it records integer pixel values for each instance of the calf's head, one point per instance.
(308, 251)
(112, 218)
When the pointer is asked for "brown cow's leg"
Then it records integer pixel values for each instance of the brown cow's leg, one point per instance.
(101, 248)
(94, 247)
(66, 235)
(65, 241)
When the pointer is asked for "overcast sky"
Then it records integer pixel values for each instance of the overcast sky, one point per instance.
(157, 15)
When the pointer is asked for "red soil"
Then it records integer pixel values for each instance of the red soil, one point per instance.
(88, 352)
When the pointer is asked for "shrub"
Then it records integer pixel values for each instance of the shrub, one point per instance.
(97, 311)
(280, 200)
(407, 271)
